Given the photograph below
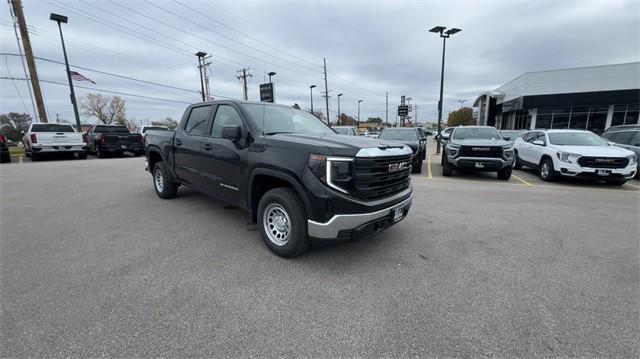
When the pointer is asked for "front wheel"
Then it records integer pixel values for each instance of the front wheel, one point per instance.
(447, 168)
(282, 222)
(417, 168)
(547, 172)
(516, 162)
(505, 173)
(162, 183)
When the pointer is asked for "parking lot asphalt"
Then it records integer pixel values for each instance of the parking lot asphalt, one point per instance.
(93, 263)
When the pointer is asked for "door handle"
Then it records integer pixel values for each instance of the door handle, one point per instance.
(178, 142)
(207, 147)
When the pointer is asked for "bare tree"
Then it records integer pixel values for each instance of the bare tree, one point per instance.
(13, 123)
(104, 108)
(167, 122)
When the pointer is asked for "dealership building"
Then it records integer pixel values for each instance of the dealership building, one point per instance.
(592, 98)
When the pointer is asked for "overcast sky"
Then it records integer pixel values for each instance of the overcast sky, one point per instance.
(371, 47)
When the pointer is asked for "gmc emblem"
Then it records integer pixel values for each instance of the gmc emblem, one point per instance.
(605, 160)
(395, 167)
(480, 149)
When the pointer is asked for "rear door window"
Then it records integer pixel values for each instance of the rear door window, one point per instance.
(197, 123)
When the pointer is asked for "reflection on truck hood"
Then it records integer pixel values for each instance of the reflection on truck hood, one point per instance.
(479, 142)
(604, 151)
(338, 145)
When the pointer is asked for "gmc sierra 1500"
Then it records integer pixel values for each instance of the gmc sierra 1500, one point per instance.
(299, 180)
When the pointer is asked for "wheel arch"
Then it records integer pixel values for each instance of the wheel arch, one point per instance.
(263, 180)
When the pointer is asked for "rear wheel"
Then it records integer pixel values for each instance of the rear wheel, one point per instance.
(82, 155)
(516, 162)
(35, 157)
(5, 157)
(505, 173)
(282, 222)
(162, 183)
(99, 153)
(447, 168)
(547, 172)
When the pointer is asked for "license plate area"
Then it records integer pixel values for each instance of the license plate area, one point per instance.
(603, 173)
(479, 165)
(123, 146)
(397, 214)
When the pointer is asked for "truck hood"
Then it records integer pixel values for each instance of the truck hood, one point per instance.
(479, 142)
(595, 151)
(338, 145)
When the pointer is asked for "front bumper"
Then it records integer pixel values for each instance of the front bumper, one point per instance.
(58, 148)
(575, 170)
(480, 163)
(351, 226)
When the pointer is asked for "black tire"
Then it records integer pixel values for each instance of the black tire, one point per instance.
(617, 182)
(516, 162)
(35, 157)
(137, 153)
(417, 168)
(288, 238)
(82, 155)
(547, 172)
(5, 157)
(447, 168)
(505, 173)
(100, 154)
(164, 186)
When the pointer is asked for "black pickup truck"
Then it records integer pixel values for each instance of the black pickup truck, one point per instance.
(297, 179)
(110, 139)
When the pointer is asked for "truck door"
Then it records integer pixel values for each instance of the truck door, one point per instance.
(188, 144)
(224, 159)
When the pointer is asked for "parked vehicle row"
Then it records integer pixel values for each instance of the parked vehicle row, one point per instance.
(627, 137)
(298, 180)
(413, 137)
(47, 138)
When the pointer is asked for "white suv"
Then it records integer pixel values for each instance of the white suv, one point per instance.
(574, 153)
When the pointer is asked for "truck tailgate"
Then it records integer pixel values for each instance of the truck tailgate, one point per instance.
(59, 138)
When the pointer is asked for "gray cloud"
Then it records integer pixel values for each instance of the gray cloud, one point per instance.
(372, 47)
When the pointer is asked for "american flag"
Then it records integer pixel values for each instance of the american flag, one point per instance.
(79, 77)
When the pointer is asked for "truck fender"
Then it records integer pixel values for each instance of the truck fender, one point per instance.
(282, 176)
(156, 152)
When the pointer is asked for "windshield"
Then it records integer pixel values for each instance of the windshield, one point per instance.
(341, 130)
(512, 134)
(110, 129)
(391, 134)
(52, 128)
(276, 119)
(145, 129)
(576, 139)
(476, 132)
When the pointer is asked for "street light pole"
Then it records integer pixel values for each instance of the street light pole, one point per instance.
(311, 87)
(359, 116)
(339, 95)
(444, 35)
(63, 19)
(201, 60)
(461, 102)
(271, 74)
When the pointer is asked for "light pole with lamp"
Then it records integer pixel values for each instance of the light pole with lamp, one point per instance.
(359, 101)
(311, 87)
(63, 19)
(461, 102)
(339, 95)
(444, 35)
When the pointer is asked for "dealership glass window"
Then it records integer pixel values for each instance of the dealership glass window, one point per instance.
(560, 120)
(543, 121)
(578, 121)
(631, 118)
(618, 118)
(545, 110)
(597, 121)
(562, 110)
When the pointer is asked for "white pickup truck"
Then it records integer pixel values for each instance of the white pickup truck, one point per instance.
(46, 138)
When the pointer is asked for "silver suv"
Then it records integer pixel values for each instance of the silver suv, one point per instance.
(626, 136)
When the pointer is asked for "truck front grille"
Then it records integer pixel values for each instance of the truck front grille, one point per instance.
(481, 151)
(603, 162)
(379, 177)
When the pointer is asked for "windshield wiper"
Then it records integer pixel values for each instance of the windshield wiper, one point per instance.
(276, 132)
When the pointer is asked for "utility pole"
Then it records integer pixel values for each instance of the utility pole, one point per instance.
(201, 55)
(244, 76)
(386, 113)
(205, 71)
(311, 90)
(326, 90)
(31, 64)
(339, 95)
(415, 114)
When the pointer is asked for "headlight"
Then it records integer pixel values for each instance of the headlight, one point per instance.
(335, 172)
(453, 150)
(567, 157)
(632, 159)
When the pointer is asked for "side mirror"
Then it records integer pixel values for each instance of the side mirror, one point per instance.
(538, 143)
(232, 133)
(445, 136)
(611, 143)
(506, 138)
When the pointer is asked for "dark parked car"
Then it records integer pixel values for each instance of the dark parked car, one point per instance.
(4, 149)
(109, 139)
(297, 180)
(625, 136)
(414, 138)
